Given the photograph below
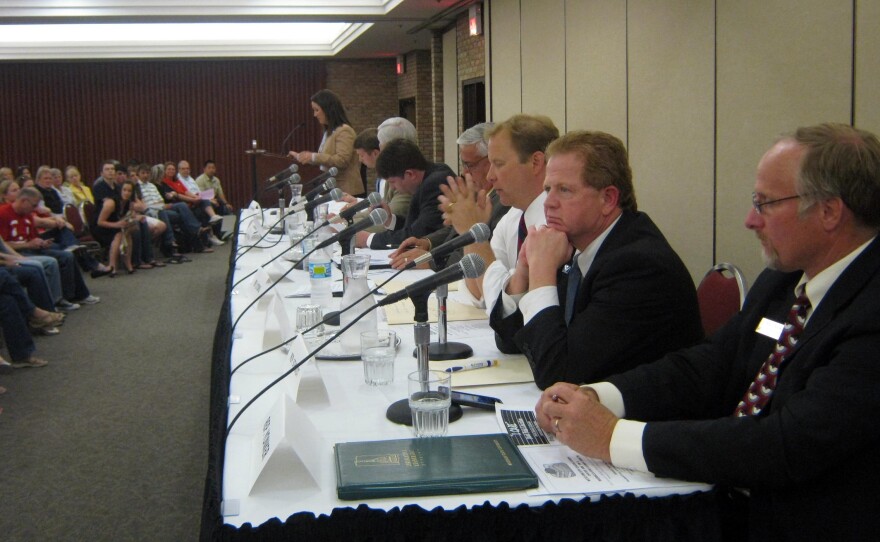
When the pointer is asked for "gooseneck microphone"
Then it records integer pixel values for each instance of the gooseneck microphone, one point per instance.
(479, 233)
(308, 206)
(377, 216)
(283, 174)
(293, 179)
(323, 187)
(326, 175)
(470, 266)
(373, 199)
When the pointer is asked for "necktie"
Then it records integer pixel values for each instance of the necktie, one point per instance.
(761, 389)
(521, 232)
(574, 282)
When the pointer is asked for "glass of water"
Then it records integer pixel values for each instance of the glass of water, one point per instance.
(429, 401)
(378, 349)
(308, 317)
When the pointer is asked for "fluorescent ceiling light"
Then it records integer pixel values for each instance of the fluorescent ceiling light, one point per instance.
(163, 40)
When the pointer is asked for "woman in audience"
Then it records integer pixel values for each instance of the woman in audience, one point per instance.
(9, 191)
(113, 230)
(174, 191)
(337, 144)
(80, 191)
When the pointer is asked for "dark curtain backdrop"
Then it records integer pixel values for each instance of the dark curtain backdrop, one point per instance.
(80, 113)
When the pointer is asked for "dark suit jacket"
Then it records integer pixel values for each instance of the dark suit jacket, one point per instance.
(448, 233)
(423, 216)
(636, 303)
(812, 458)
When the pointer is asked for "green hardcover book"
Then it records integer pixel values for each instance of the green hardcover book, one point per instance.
(430, 466)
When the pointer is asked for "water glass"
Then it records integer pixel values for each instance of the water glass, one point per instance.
(378, 349)
(429, 401)
(320, 213)
(308, 316)
(296, 191)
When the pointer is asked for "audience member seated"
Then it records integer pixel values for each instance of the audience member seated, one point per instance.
(208, 180)
(80, 191)
(17, 227)
(16, 313)
(174, 190)
(154, 207)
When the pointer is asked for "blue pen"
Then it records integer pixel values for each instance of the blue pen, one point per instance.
(472, 366)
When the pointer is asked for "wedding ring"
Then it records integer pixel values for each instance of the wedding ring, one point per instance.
(556, 423)
(449, 207)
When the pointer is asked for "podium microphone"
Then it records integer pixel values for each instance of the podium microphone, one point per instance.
(295, 128)
(283, 174)
(479, 233)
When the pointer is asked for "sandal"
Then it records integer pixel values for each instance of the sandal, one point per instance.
(157, 263)
(145, 266)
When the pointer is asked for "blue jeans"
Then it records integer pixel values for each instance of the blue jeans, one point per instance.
(15, 307)
(51, 272)
(30, 275)
(72, 284)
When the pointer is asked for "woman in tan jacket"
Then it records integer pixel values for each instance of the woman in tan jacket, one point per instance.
(337, 145)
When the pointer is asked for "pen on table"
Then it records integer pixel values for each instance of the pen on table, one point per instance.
(472, 366)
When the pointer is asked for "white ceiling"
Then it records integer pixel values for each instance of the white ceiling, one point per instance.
(102, 29)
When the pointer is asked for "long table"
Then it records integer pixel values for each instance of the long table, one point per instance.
(334, 405)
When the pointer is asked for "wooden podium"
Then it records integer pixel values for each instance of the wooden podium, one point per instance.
(264, 165)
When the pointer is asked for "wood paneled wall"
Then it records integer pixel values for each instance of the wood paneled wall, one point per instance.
(81, 113)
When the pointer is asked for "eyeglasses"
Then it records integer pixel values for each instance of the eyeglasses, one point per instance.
(471, 165)
(758, 204)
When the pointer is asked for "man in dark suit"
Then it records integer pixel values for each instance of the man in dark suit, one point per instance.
(631, 297)
(406, 169)
(783, 401)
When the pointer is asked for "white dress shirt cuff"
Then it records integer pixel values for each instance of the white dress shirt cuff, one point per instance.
(509, 303)
(626, 445)
(609, 396)
(536, 300)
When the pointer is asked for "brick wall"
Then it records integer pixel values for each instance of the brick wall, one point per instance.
(367, 88)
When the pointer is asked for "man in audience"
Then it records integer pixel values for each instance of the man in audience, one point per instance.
(783, 400)
(208, 180)
(406, 169)
(465, 202)
(16, 310)
(18, 229)
(598, 289)
(184, 175)
(516, 173)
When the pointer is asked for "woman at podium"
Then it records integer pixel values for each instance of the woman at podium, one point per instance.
(337, 144)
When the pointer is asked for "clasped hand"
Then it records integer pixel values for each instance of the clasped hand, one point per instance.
(578, 419)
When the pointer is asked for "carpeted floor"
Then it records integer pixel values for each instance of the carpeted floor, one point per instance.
(109, 441)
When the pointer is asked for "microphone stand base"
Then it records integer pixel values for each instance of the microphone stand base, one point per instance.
(399, 412)
(447, 351)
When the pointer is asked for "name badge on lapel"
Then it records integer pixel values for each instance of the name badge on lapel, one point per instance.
(769, 328)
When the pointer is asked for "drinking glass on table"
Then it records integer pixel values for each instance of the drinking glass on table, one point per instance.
(429, 402)
(378, 349)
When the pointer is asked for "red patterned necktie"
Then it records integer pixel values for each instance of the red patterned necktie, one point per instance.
(761, 390)
(521, 232)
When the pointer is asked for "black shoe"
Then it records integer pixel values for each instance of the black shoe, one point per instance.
(97, 273)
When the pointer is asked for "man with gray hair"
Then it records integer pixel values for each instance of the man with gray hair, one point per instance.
(396, 128)
(782, 401)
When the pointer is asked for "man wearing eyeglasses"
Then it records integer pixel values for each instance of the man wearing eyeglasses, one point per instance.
(783, 401)
(598, 289)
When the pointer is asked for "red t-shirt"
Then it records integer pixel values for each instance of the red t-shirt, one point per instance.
(15, 227)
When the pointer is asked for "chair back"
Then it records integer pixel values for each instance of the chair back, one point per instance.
(73, 216)
(90, 213)
(720, 295)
